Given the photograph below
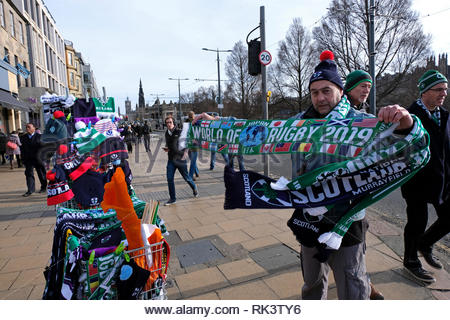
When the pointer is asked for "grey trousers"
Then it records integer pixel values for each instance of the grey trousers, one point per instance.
(349, 270)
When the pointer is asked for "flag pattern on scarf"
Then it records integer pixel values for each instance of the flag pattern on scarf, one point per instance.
(339, 122)
(93, 277)
(215, 124)
(277, 123)
(204, 124)
(221, 147)
(365, 122)
(239, 124)
(349, 151)
(205, 144)
(233, 148)
(266, 148)
(298, 123)
(301, 147)
(328, 148)
(226, 125)
(283, 147)
(317, 122)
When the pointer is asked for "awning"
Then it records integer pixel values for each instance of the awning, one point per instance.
(9, 102)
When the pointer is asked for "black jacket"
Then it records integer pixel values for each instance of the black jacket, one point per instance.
(432, 183)
(30, 147)
(172, 144)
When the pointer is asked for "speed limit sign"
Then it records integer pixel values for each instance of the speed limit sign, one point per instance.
(265, 57)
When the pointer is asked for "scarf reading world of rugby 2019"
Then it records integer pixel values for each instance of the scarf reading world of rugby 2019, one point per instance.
(370, 162)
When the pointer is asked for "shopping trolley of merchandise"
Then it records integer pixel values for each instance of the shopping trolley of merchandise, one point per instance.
(101, 275)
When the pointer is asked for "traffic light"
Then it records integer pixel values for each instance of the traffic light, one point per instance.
(254, 66)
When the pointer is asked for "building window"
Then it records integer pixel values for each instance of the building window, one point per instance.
(27, 83)
(70, 58)
(13, 29)
(21, 38)
(38, 13)
(25, 4)
(2, 14)
(72, 79)
(6, 57)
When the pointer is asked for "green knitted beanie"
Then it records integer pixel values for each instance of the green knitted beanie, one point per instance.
(429, 79)
(354, 78)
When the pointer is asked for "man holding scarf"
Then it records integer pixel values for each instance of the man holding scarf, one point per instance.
(348, 262)
(432, 183)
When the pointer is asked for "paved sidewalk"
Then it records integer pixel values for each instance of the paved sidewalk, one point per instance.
(215, 254)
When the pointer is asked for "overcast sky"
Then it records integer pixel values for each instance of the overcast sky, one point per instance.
(152, 40)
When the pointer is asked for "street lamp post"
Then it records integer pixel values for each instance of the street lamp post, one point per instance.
(219, 102)
(179, 97)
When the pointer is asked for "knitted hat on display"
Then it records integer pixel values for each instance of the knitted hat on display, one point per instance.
(326, 70)
(112, 149)
(429, 79)
(58, 191)
(89, 189)
(355, 78)
(72, 163)
(107, 127)
(55, 130)
(88, 140)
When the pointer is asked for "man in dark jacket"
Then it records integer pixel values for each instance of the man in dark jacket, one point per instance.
(3, 141)
(432, 183)
(30, 152)
(146, 129)
(177, 160)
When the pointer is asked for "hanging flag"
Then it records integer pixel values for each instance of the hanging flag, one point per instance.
(205, 124)
(277, 123)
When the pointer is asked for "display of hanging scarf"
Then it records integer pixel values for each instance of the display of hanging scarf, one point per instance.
(370, 164)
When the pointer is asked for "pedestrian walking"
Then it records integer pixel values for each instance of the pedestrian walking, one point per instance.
(13, 149)
(146, 129)
(432, 183)
(31, 145)
(193, 152)
(3, 141)
(176, 160)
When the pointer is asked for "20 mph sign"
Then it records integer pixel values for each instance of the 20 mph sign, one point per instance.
(265, 57)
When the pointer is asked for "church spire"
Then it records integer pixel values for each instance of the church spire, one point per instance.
(141, 95)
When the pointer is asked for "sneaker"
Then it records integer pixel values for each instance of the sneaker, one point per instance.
(421, 274)
(27, 194)
(431, 260)
(195, 193)
(168, 203)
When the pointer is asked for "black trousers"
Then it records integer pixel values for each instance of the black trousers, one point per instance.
(147, 142)
(29, 174)
(415, 236)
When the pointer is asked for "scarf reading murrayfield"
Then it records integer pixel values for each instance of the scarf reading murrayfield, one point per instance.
(369, 162)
